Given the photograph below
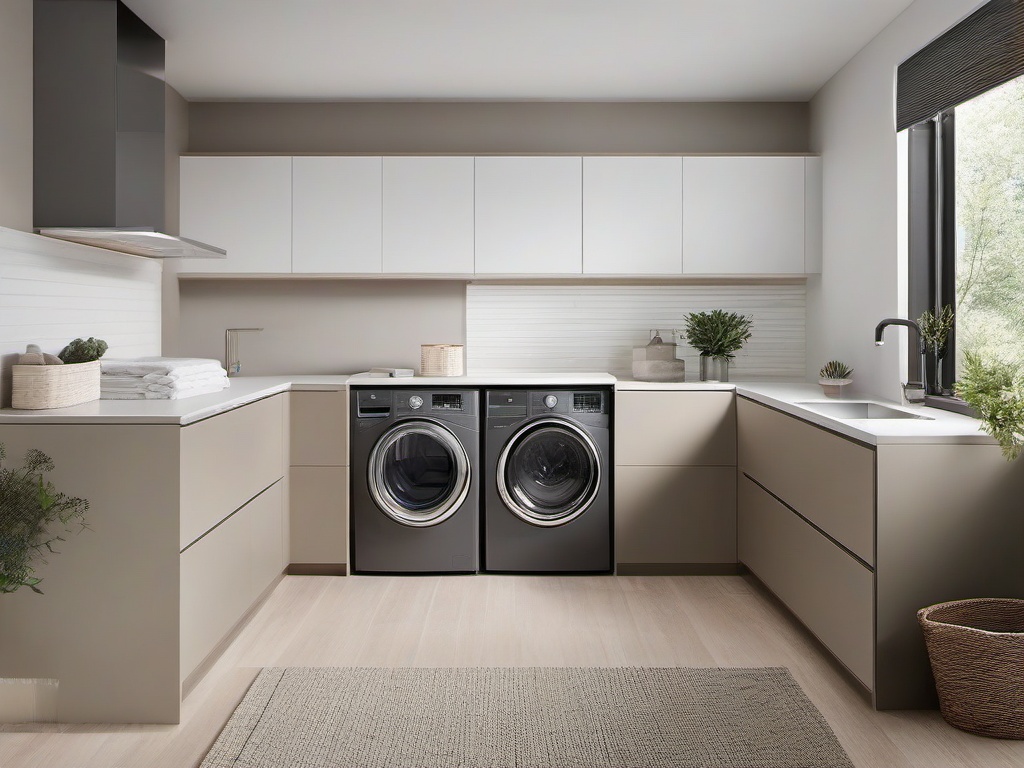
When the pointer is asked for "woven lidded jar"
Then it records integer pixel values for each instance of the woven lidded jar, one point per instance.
(442, 360)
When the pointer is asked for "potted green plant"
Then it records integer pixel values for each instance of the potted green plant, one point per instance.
(30, 505)
(935, 330)
(996, 392)
(717, 335)
(833, 376)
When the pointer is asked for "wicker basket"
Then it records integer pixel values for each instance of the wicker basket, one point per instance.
(441, 360)
(976, 649)
(54, 386)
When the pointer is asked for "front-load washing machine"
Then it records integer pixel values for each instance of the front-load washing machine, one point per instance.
(415, 480)
(547, 503)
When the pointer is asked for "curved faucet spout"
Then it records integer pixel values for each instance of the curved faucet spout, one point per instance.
(909, 324)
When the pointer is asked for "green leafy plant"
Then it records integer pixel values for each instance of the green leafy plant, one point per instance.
(835, 369)
(717, 333)
(29, 506)
(996, 392)
(935, 330)
(83, 350)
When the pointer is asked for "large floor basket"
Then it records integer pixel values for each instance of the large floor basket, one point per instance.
(976, 649)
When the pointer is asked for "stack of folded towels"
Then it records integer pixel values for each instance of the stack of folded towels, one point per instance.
(160, 378)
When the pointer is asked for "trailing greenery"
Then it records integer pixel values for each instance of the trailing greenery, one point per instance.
(717, 333)
(935, 330)
(835, 369)
(996, 392)
(29, 505)
(83, 350)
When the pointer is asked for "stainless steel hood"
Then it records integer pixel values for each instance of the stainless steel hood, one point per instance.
(99, 130)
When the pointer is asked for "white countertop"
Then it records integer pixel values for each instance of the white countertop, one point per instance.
(940, 427)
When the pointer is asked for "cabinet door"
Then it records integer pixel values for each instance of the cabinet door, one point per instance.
(428, 215)
(240, 204)
(633, 215)
(319, 429)
(675, 515)
(743, 215)
(675, 428)
(827, 589)
(319, 515)
(529, 215)
(267, 536)
(336, 211)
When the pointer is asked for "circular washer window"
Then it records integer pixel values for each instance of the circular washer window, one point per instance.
(549, 472)
(419, 473)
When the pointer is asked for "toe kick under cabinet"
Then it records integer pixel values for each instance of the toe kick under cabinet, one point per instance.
(855, 538)
(187, 532)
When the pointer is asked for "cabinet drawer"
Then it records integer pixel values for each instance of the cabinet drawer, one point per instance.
(826, 478)
(319, 515)
(226, 460)
(828, 590)
(319, 429)
(675, 515)
(675, 428)
(224, 573)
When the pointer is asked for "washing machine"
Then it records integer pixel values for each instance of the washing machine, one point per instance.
(547, 475)
(415, 504)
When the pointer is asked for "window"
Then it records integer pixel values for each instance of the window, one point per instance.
(967, 228)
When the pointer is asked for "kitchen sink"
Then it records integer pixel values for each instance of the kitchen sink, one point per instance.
(859, 409)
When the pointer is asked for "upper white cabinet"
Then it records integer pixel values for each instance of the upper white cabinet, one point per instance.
(529, 215)
(633, 215)
(744, 215)
(240, 204)
(336, 214)
(428, 215)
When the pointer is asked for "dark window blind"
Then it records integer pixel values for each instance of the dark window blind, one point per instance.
(984, 50)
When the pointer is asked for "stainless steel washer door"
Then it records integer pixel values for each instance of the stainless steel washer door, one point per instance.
(419, 473)
(549, 472)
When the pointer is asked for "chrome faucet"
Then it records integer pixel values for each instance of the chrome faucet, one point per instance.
(231, 361)
(920, 340)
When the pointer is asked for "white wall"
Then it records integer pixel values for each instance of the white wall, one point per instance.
(52, 292)
(16, 114)
(863, 279)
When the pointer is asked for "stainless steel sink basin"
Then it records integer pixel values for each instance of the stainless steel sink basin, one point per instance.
(860, 409)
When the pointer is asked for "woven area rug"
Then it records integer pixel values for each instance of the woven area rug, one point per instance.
(533, 717)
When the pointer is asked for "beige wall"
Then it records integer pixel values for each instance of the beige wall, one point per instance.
(16, 114)
(321, 326)
(498, 127)
(175, 145)
(863, 274)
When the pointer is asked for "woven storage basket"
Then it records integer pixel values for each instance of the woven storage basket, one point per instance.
(441, 360)
(977, 652)
(54, 386)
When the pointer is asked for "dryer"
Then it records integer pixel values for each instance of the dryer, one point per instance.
(415, 480)
(547, 475)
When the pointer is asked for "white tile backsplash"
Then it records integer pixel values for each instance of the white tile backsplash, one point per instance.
(567, 327)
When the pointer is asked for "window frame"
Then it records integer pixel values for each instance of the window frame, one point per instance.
(931, 209)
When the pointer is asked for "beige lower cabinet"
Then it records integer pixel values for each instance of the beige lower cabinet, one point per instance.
(675, 481)
(855, 538)
(318, 482)
(129, 615)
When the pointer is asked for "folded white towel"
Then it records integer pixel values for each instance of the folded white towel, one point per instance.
(166, 393)
(175, 367)
(181, 395)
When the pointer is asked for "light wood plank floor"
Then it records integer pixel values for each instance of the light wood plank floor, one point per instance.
(515, 621)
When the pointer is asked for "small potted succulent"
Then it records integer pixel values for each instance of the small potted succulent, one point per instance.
(833, 376)
(717, 335)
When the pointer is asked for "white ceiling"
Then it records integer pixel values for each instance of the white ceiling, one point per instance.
(591, 50)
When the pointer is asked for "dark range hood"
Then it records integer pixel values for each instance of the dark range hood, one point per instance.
(99, 130)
